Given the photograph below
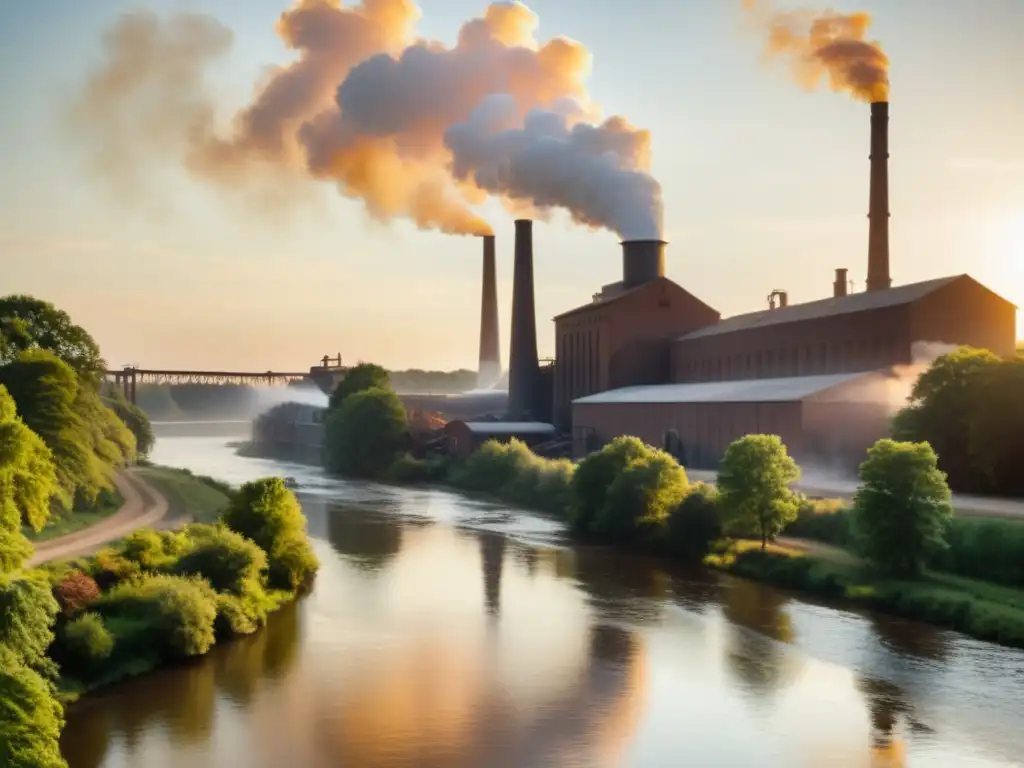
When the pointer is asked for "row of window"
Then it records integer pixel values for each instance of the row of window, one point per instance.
(810, 359)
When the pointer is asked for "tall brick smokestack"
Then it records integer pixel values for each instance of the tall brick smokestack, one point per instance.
(878, 206)
(490, 357)
(523, 367)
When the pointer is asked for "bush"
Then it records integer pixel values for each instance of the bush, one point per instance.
(492, 467)
(640, 499)
(824, 520)
(267, 513)
(228, 561)
(694, 524)
(85, 644)
(30, 718)
(75, 593)
(365, 434)
(595, 474)
(154, 550)
(110, 568)
(984, 548)
(27, 614)
(408, 470)
(240, 615)
(901, 511)
(179, 612)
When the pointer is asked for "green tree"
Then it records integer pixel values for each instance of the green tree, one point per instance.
(359, 378)
(753, 481)
(694, 524)
(901, 511)
(30, 323)
(996, 436)
(942, 409)
(595, 475)
(31, 719)
(135, 419)
(640, 499)
(267, 513)
(27, 481)
(365, 435)
(27, 614)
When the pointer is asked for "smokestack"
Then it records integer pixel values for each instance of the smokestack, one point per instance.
(490, 357)
(839, 286)
(523, 367)
(642, 261)
(878, 206)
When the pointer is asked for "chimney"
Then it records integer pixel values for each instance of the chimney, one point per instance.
(642, 261)
(523, 366)
(490, 357)
(839, 286)
(878, 205)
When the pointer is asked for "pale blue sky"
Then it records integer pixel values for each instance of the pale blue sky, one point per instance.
(765, 187)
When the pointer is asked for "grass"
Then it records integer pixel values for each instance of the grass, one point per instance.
(980, 609)
(71, 522)
(194, 496)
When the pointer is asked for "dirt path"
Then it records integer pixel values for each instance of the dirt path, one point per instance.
(143, 507)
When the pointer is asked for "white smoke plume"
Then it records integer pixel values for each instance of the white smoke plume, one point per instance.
(598, 173)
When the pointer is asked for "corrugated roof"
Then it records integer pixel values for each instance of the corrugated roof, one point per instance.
(812, 310)
(781, 390)
(509, 427)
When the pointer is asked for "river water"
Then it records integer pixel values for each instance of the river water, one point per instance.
(446, 632)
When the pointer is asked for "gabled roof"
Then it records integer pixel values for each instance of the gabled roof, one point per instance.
(779, 390)
(604, 299)
(813, 310)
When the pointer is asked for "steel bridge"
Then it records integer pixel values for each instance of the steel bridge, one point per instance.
(129, 377)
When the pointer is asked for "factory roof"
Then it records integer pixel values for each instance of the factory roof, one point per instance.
(813, 310)
(508, 427)
(615, 291)
(779, 390)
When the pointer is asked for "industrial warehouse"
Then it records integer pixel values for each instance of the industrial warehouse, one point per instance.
(647, 358)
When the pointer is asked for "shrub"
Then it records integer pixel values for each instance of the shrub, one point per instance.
(85, 643)
(640, 499)
(825, 520)
(901, 511)
(154, 550)
(365, 434)
(753, 481)
(110, 568)
(408, 470)
(179, 611)
(267, 513)
(75, 593)
(984, 548)
(240, 615)
(228, 561)
(595, 474)
(492, 467)
(27, 614)
(694, 523)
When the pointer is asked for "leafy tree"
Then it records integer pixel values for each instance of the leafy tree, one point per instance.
(753, 481)
(136, 420)
(365, 435)
(29, 323)
(31, 719)
(941, 412)
(75, 592)
(27, 614)
(902, 510)
(595, 474)
(27, 481)
(359, 378)
(639, 499)
(694, 524)
(996, 436)
(267, 513)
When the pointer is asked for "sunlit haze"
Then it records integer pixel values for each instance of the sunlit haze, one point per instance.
(764, 185)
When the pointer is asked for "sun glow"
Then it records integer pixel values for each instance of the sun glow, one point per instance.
(1008, 251)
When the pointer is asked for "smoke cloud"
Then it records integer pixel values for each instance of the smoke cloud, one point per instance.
(825, 46)
(411, 127)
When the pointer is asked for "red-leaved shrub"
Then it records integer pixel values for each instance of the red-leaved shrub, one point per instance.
(75, 593)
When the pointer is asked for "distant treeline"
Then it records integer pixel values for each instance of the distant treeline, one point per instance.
(171, 402)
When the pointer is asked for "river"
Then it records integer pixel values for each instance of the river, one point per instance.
(452, 633)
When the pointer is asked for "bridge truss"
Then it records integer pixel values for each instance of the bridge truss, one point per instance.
(129, 378)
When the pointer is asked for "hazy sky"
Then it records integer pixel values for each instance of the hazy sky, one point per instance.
(765, 187)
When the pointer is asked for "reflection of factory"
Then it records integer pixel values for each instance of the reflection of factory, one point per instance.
(647, 358)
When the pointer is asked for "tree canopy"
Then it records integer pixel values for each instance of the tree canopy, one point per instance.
(753, 481)
(902, 510)
(358, 379)
(365, 435)
(29, 323)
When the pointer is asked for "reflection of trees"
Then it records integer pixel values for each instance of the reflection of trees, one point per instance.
(888, 709)
(369, 542)
(911, 638)
(626, 587)
(492, 555)
(756, 657)
(182, 698)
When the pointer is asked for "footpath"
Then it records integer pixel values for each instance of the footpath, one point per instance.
(144, 507)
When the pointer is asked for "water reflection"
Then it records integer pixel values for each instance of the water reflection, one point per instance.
(447, 633)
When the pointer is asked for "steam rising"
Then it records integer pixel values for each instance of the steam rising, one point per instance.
(826, 46)
(405, 125)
